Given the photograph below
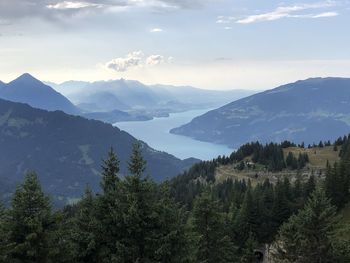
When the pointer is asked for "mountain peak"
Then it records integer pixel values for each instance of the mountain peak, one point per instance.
(27, 78)
(27, 89)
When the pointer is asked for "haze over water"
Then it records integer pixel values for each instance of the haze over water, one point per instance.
(156, 134)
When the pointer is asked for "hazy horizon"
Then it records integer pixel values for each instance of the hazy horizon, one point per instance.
(206, 44)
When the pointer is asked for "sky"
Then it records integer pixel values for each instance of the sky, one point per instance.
(212, 44)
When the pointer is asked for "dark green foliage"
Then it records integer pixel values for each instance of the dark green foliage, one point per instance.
(85, 229)
(212, 244)
(270, 155)
(291, 161)
(187, 186)
(192, 218)
(29, 223)
(281, 210)
(337, 182)
(341, 244)
(294, 163)
(306, 237)
(136, 165)
(310, 186)
(320, 145)
(246, 220)
(110, 170)
(135, 220)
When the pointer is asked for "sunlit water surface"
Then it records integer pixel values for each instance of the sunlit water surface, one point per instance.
(156, 134)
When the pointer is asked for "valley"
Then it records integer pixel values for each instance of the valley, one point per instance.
(174, 131)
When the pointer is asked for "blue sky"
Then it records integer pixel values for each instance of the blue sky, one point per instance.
(210, 44)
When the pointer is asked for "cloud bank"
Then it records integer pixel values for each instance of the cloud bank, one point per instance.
(291, 11)
(17, 9)
(135, 59)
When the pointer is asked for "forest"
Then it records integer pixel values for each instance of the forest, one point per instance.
(191, 218)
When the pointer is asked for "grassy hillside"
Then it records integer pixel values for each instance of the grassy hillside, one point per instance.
(318, 158)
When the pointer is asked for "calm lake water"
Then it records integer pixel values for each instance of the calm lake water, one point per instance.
(156, 134)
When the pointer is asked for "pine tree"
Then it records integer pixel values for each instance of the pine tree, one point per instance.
(29, 223)
(306, 237)
(281, 210)
(320, 145)
(137, 164)
(85, 229)
(310, 186)
(110, 170)
(173, 244)
(139, 214)
(246, 220)
(212, 245)
(291, 161)
(108, 209)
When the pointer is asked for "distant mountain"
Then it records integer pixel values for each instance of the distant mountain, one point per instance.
(310, 111)
(27, 89)
(200, 97)
(128, 95)
(66, 150)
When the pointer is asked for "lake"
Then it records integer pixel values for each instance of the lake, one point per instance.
(156, 134)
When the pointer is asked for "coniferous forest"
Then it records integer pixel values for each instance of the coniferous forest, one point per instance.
(191, 218)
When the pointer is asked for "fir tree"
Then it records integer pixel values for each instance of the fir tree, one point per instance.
(29, 223)
(85, 229)
(306, 237)
(310, 186)
(246, 219)
(139, 218)
(212, 245)
(110, 170)
(173, 245)
(281, 207)
(109, 209)
(137, 164)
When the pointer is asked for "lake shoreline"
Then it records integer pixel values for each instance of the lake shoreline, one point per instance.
(156, 133)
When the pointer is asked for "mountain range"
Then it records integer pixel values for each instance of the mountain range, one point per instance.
(130, 95)
(113, 101)
(66, 150)
(305, 111)
(27, 89)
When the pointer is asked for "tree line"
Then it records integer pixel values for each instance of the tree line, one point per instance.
(133, 219)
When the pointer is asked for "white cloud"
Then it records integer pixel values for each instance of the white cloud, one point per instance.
(290, 12)
(154, 60)
(74, 5)
(156, 30)
(136, 59)
(326, 14)
(60, 9)
(123, 64)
